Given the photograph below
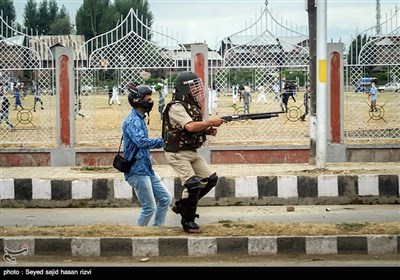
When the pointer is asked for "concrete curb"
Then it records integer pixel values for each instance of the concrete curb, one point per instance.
(239, 190)
(204, 246)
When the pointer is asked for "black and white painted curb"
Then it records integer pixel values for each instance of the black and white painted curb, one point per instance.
(242, 190)
(204, 246)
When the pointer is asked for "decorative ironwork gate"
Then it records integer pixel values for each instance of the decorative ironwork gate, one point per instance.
(131, 52)
(264, 62)
(373, 57)
(27, 78)
(257, 57)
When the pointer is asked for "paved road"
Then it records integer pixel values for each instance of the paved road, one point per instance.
(302, 214)
(216, 261)
(223, 170)
(118, 264)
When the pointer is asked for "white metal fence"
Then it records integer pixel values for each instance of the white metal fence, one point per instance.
(257, 56)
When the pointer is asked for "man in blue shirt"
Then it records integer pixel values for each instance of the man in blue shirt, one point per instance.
(373, 94)
(152, 194)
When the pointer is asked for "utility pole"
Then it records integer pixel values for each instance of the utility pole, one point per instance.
(312, 31)
(322, 79)
(378, 17)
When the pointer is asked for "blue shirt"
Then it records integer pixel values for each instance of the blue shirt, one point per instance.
(373, 93)
(136, 138)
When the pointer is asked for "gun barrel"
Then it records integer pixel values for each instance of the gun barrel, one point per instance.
(263, 116)
(257, 116)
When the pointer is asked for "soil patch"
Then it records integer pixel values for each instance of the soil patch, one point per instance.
(222, 228)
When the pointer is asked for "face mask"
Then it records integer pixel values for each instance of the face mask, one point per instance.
(148, 106)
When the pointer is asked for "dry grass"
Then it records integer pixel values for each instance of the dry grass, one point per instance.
(222, 228)
(103, 123)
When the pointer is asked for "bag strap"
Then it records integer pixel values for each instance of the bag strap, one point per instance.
(120, 144)
(119, 149)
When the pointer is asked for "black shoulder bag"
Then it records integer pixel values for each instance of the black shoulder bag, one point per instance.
(122, 164)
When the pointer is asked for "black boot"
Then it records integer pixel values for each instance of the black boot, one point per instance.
(177, 208)
(190, 226)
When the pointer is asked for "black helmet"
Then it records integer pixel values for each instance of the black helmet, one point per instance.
(137, 94)
(189, 83)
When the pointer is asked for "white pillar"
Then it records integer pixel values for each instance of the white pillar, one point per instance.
(322, 107)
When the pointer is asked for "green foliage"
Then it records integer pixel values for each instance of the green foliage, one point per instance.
(61, 26)
(46, 18)
(43, 20)
(355, 47)
(242, 76)
(31, 15)
(294, 76)
(7, 6)
(53, 10)
(383, 77)
(96, 17)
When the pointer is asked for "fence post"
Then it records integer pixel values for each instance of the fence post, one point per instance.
(64, 154)
(199, 65)
(335, 149)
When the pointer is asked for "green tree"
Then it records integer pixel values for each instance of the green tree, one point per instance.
(355, 47)
(53, 10)
(90, 16)
(142, 9)
(61, 26)
(62, 23)
(8, 10)
(43, 19)
(96, 17)
(30, 15)
(47, 18)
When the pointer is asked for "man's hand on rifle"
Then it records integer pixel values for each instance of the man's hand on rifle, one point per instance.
(211, 131)
(216, 121)
(204, 125)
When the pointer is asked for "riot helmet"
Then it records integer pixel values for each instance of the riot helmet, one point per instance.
(188, 83)
(136, 96)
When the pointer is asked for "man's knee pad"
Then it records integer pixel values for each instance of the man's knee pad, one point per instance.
(211, 182)
(193, 187)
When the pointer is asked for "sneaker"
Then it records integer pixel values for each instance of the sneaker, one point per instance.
(34, 110)
(42, 108)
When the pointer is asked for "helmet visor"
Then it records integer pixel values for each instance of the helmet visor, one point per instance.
(196, 89)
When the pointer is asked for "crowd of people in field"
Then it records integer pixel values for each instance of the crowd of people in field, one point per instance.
(282, 93)
(243, 94)
(12, 96)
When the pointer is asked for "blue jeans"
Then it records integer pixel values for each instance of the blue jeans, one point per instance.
(153, 196)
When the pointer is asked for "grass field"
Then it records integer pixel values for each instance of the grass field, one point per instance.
(100, 125)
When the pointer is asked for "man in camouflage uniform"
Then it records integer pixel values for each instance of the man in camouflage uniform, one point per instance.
(184, 131)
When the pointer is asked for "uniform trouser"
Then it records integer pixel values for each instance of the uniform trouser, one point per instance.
(188, 164)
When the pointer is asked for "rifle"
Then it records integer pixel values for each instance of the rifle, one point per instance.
(257, 116)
